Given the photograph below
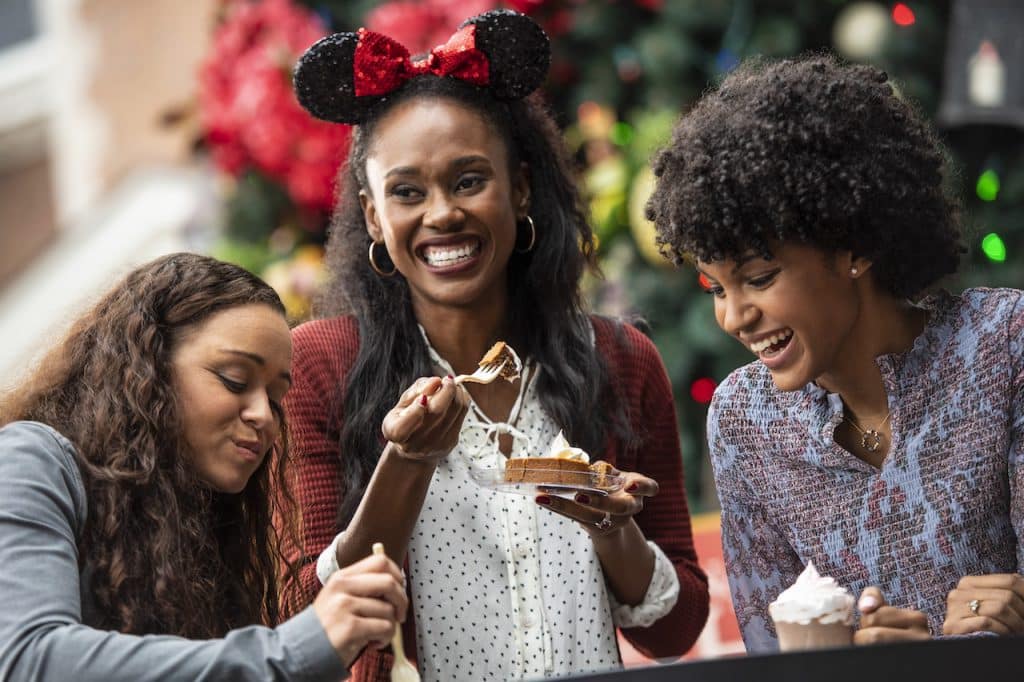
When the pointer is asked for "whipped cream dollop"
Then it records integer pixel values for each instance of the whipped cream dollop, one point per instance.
(560, 449)
(811, 597)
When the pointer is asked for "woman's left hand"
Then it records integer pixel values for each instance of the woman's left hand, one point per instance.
(992, 603)
(604, 515)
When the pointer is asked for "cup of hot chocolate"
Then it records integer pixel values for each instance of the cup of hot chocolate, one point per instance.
(814, 613)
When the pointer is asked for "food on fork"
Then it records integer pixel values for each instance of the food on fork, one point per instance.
(509, 361)
(564, 465)
(499, 361)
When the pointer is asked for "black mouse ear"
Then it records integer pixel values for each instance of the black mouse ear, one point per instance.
(324, 80)
(518, 51)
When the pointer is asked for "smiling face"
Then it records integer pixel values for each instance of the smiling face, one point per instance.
(795, 312)
(442, 199)
(230, 373)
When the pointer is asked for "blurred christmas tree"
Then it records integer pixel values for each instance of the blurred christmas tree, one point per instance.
(622, 72)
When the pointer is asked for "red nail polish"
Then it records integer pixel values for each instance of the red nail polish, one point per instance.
(543, 499)
(583, 499)
(450, 376)
(423, 400)
(632, 487)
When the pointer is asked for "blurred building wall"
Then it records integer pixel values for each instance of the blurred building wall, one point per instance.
(96, 170)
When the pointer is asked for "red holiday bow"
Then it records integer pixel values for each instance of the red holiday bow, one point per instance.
(381, 64)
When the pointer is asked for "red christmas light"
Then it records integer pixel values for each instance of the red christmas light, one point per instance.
(903, 15)
(702, 390)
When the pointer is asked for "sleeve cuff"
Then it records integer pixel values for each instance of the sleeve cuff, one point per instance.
(304, 636)
(661, 596)
(327, 562)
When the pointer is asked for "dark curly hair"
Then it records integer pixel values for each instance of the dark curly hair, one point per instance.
(810, 151)
(164, 553)
(546, 320)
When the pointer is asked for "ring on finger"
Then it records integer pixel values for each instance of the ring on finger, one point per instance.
(606, 522)
(974, 605)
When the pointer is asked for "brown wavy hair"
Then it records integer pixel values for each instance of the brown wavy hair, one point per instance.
(165, 554)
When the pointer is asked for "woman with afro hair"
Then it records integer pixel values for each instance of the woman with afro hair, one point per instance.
(879, 433)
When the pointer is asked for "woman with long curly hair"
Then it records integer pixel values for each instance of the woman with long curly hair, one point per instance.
(137, 490)
(459, 225)
(880, 431)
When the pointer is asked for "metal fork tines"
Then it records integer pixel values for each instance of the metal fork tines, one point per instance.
(500, 361)
(483, 375)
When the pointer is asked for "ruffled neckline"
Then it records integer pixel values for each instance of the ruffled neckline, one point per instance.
(824, 410)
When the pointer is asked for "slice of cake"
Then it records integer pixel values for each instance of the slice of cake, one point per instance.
(602, 472)
(564, 465)
(502, 353)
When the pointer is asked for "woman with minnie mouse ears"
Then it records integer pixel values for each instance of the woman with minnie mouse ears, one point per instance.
(459, 225)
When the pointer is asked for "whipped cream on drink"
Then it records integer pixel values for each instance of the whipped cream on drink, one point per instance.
(814, 613)
(813, 597)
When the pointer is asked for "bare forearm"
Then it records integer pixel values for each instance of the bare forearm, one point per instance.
(628, 563)
(389, 509)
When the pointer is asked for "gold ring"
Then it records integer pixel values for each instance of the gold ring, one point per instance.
(974, 605)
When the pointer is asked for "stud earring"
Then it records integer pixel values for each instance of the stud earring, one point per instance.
(853, 271)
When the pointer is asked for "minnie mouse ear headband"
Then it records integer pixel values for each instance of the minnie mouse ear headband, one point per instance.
(343, 76)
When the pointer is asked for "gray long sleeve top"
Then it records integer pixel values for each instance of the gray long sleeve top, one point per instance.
(42, 512)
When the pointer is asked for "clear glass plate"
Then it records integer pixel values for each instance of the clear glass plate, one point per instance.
(547, 482)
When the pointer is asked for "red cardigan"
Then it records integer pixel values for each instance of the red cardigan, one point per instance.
(324, 352)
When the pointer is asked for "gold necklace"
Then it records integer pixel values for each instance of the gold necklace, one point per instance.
(870, 439)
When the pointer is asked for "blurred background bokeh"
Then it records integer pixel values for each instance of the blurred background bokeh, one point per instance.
(128, 129)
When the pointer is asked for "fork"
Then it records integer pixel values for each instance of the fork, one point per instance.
(506, 364)
(401, 669)
(484, 374)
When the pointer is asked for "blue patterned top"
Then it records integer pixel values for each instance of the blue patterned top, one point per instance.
(946, 502)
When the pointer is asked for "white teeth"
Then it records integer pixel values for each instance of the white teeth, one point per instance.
(447, 255)
(765, 344)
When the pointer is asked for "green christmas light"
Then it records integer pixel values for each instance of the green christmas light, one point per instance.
(988, 186)
(621, 133)
(994, 248)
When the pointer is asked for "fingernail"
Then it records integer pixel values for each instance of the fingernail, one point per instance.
(632, 487)
(423, 400)
(583, 499)
(868, 601)
(543, 499)
(450, 376)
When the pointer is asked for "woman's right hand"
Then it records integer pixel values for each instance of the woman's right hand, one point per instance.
(360, 605)
(425, 423)
(881, 623)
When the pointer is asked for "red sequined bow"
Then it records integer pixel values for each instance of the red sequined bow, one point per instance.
(381, 64)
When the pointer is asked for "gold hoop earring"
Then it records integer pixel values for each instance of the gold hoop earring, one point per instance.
(533, 236)
(377, 268)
